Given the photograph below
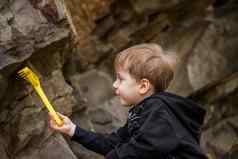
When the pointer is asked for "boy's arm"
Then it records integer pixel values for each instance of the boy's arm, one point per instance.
(155, 138)
(94, 141)
(99, 143)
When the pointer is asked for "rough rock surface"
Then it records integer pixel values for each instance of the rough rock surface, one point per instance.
(71, 46)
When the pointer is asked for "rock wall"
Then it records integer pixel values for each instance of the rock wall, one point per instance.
(219, 136)
(71, 46)
(32, 34)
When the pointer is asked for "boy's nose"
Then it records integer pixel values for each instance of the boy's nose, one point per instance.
(114, 84)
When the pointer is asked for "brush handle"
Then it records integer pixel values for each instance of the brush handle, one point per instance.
(50, 108)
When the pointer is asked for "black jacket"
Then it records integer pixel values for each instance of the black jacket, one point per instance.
(162, 126)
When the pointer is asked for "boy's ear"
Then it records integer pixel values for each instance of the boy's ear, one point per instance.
(145, 86)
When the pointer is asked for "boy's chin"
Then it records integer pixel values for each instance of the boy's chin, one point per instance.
(125, 104)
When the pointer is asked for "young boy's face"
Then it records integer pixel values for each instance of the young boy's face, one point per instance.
(127, 88)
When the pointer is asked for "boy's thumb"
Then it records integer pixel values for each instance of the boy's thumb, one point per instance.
(50, 115)
(61, 115)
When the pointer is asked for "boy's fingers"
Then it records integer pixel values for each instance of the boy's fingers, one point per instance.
(54, 125)
(51, 116)
(61, 115)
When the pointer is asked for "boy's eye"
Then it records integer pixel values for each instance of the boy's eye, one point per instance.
(120, 78)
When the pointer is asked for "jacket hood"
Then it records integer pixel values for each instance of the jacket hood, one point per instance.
(189, 113)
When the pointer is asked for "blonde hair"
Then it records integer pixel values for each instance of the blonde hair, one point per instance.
(148, 61)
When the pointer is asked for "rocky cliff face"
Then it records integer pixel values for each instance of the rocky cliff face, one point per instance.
(32, 34)
(71, 46)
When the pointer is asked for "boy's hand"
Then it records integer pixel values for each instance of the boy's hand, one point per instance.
(67, 128)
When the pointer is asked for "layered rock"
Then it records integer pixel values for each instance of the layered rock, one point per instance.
(201, 33)
(71, 46)
(32, 34)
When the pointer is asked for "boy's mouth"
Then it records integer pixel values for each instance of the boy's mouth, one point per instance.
(116, 92)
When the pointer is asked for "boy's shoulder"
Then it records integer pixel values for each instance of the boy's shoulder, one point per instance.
(173, 102)
(151, 103)
(157, 99)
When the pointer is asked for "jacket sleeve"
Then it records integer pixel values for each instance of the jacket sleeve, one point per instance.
(99, 143)
(155, 139)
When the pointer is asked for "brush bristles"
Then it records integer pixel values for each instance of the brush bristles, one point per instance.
(29, 76)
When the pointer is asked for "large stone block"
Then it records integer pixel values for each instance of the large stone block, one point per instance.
(95, 85)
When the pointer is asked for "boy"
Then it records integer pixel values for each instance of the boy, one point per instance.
(160, 125)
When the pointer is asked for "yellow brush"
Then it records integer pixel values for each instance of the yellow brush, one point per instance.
(32, 78)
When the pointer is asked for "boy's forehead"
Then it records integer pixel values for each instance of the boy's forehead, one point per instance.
(122, 71)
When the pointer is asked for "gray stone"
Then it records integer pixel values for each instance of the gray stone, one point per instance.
(60, 9)
(83, 153)
(34, 33)
(119, 113)
(26, 18)
(233, 152)
(31, 124)
(183, 46)
(65, 104)
(108, 116)
(208, 63)
(3, 3)
(56, 147)
(3, 148)
(153, 5)
(217, 140)
(100, 116)
(3, 85)
(218, 90)
(22, 26)
(82, 119)
(56, 86)
(92, 52)
(96, 86)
